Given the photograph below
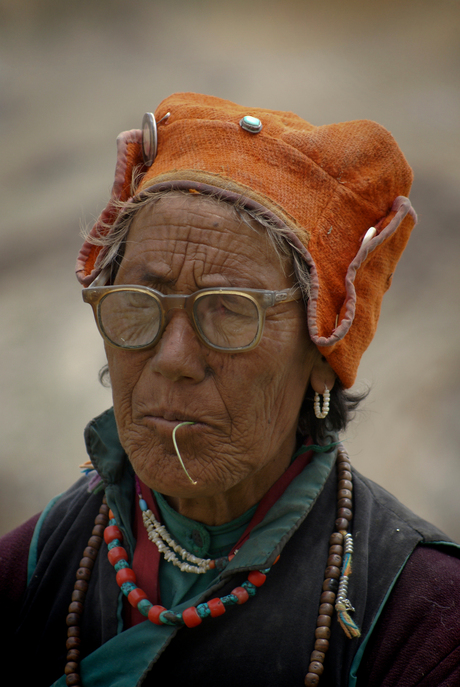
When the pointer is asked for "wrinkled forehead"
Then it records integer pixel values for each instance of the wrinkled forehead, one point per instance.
(197, 240)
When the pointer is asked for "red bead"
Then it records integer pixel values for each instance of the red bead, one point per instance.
(256, 578)
(111, 515)
(216, 607)
(154, 614)
(190, 617)
(117, 554)
(126, 575)
(135, 596)
(112, 532)
(241, 593)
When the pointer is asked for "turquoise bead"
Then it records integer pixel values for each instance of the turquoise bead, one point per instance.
(250, 588)
(252, 121)
(144, 607)
(128, 587)
(121, 564)
(173, 619)
(251, 124)
(143, 505)
(229, 600)
(113, 544)
(203, 610)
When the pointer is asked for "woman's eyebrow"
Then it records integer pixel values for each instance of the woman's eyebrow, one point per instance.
(146, 276)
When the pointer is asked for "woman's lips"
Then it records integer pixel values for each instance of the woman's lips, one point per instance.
(169, 421)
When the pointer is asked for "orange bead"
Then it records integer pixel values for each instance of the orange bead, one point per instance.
(112, 532)
(126, 575)
(135, 596)
(256, 578)
(154, 614)
(216, 607)
(190, 617)
(241, 593)
(118, 553)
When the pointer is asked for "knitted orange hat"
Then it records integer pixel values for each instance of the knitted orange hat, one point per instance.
(339, 189)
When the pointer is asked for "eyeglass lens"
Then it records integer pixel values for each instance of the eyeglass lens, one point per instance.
(132, 319)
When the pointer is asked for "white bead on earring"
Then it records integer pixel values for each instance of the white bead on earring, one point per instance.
(322, 412)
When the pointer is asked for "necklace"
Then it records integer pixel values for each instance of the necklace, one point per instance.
(334, 592)
(159, 615)
(159, 535)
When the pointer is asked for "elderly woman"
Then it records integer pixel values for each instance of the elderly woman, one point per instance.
(236, 278)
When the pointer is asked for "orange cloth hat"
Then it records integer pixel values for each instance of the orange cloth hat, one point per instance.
(340, 189)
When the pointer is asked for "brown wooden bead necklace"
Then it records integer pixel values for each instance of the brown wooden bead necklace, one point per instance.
(335, 585)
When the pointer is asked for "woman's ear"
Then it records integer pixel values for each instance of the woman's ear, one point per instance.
(322, 376)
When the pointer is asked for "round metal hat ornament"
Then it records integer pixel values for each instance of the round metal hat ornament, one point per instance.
(149, 138)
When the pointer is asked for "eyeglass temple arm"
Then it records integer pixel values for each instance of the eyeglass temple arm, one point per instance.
(102, 278)
(292, 294)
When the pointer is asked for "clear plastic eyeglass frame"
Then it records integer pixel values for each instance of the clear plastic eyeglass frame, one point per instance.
(261, 300)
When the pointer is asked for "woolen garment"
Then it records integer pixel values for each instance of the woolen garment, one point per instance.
(268, 640)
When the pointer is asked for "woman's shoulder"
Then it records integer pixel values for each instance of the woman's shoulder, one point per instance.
(14, 554)
(416, 638)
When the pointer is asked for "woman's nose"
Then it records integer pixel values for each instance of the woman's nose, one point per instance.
(179, 353)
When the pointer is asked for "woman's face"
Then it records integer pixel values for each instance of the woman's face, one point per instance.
(245, 405)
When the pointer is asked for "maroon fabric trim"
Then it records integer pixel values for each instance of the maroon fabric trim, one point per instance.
(146, 560)
(417, 638)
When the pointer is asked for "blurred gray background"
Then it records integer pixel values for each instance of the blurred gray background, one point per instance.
(75, 74)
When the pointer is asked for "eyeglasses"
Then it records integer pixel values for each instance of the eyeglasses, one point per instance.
(225, 319)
